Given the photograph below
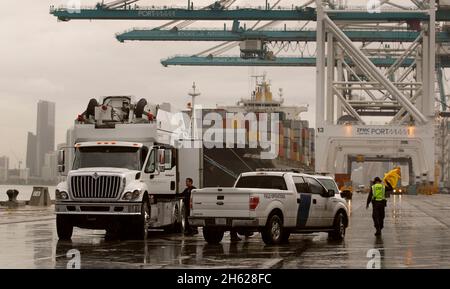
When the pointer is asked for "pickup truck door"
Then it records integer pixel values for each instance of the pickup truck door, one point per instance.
(303, 203)
(331, 201)
(318, 203)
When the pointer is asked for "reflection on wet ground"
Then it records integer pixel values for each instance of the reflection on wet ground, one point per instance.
(415, 236)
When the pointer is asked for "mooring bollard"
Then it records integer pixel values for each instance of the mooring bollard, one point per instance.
(12, 199)
(12, 195)
(40, 197)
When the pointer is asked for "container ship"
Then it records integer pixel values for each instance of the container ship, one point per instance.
(294, 140)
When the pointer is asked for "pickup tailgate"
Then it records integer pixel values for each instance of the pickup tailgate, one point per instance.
(221, 202)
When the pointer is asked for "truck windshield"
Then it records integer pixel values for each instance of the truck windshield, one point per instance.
(262, 182)
(108, 157)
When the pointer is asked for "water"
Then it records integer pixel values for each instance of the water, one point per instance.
(24, 192)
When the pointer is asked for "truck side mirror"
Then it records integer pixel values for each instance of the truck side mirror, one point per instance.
(61, 161)
(161, 160)
(61, 157)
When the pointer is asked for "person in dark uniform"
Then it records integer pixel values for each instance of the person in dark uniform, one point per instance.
(377, 196)
(189, 230)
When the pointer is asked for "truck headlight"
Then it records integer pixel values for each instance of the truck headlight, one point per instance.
(129, 196)
(61, 195)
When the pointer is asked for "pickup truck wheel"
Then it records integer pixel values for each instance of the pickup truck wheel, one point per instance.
(213, 235)
(338, 232)
(273, 231)
(64, 227)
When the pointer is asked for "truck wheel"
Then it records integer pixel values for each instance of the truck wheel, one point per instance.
(183, 219)
(213, 235)
(64, 227)
(273, 232)
(112, 233)
(179, 224)
(142, 224)
(338, 232)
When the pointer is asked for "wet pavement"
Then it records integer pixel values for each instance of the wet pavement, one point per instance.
(416, 235)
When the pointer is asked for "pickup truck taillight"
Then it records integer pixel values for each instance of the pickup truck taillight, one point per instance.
(254, 201)
(190, 203)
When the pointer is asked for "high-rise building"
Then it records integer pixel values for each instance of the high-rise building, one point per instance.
(45, 132)
(49, 170)
(4, 167)
(31, 162)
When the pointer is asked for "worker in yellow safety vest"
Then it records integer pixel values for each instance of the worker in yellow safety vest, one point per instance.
(377, 197)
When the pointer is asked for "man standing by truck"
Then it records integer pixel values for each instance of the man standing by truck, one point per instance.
(377, 196)
(187, 199)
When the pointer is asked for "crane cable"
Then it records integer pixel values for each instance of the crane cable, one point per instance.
(231, 45)
(186, 23)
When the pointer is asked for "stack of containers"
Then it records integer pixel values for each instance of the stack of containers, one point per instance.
(305, 144)
(295, 139)
(304, 124)
(312, 134)
(287, 139)
(293, 144)
(269, 127)
(282, 150)
(273, 132)
(296, 127)
(249, 137)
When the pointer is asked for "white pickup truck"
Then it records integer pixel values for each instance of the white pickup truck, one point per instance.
(273, 203)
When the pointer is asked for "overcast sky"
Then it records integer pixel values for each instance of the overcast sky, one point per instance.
(70, 62)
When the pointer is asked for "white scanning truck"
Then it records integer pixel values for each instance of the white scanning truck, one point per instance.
(272, 202)
(122, 171)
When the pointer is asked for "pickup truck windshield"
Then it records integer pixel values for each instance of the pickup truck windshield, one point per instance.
(329, 184)
(262, 182)
(107, 156)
